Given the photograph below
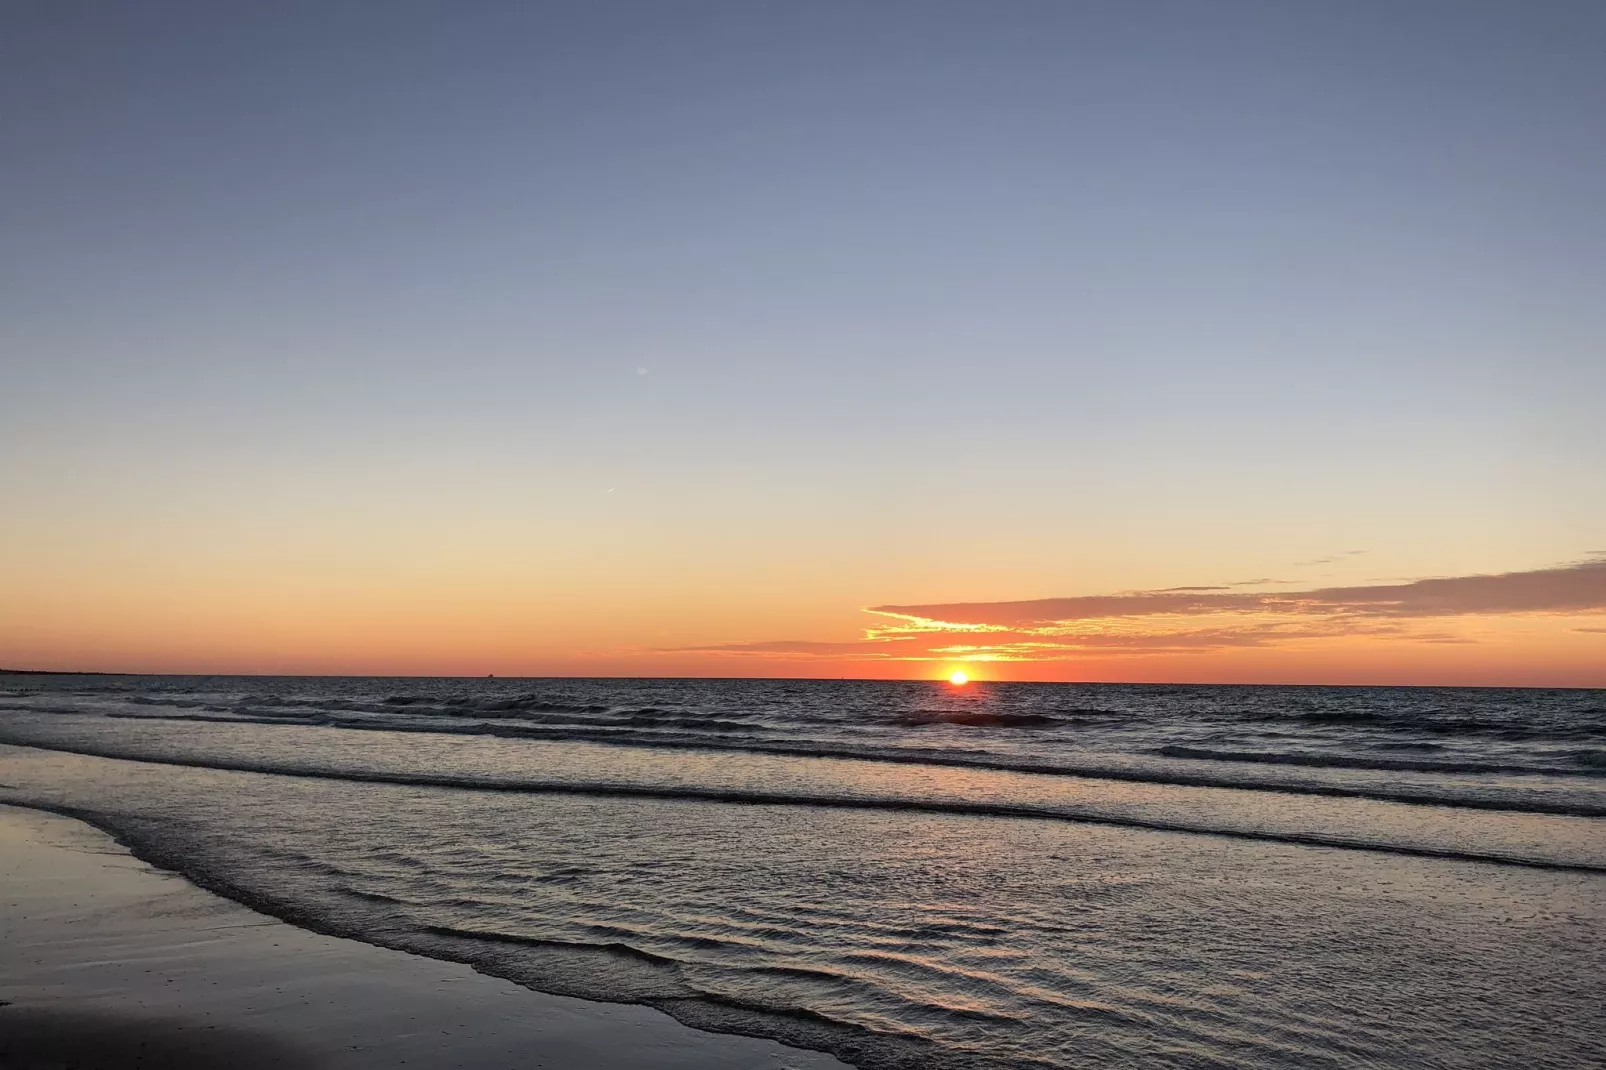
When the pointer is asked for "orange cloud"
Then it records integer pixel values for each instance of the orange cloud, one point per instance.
(1197, 619)
(1579, 587)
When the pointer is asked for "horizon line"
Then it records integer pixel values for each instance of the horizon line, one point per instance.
(805, 679)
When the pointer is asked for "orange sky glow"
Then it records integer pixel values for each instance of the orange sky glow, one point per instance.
(1539, 627)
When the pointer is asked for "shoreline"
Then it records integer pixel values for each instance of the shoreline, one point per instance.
(110, 959)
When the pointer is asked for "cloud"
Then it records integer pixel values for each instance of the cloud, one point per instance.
(786, 648)
(1329, 560)
(1579, 587)
(995, 645)
(1195, 618)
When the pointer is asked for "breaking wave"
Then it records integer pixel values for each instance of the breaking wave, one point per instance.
(1342, 761)
(689, 792)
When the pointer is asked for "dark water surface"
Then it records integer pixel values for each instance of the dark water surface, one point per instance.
(906, 874)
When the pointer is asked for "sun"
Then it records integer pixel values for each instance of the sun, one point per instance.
(959, 678)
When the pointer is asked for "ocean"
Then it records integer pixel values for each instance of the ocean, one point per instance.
(905, 874)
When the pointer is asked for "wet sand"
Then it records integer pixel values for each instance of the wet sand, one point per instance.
(107, 962)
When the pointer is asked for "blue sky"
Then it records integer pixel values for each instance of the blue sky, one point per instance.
(907, 302)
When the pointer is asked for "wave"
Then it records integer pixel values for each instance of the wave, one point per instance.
(949, 758)
(330, 717)
(612, 947)
(1438, 724)
(518, 702)
(976, 719)
(562, 710)
(1403, 765)
(743, 796)
(372, 897)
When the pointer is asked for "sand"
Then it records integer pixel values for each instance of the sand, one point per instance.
(106, 962)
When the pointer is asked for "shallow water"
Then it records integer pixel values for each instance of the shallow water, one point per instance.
(905, 874)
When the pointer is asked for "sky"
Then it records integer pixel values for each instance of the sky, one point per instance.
(808, 339)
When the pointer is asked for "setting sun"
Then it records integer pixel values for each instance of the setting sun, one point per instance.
(958, 678)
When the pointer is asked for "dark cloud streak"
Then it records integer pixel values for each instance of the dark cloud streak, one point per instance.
(1575, 588)
(1192, 619)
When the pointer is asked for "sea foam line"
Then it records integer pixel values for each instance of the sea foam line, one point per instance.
(1170, 778)
(748, 797)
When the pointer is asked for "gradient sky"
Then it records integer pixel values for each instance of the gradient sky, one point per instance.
(671, 337)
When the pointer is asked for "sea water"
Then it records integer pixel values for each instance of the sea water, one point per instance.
(906, 874)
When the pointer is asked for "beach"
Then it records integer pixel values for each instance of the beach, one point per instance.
(106, 961)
